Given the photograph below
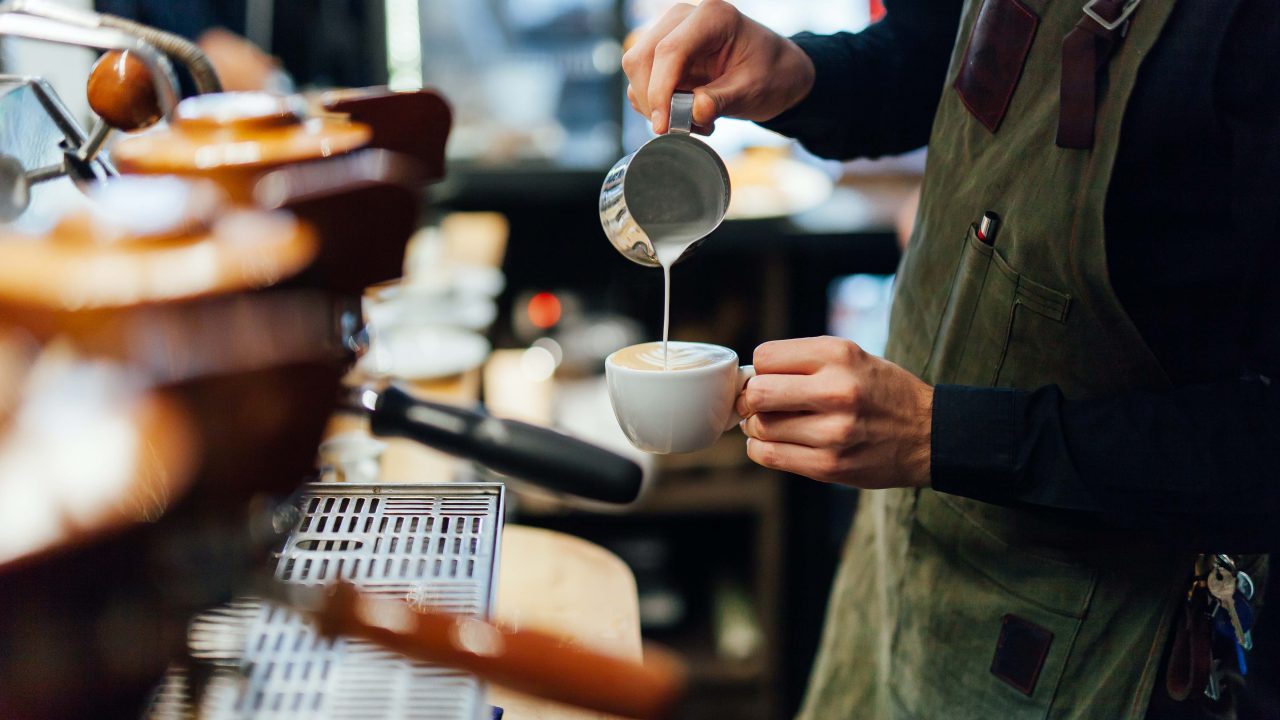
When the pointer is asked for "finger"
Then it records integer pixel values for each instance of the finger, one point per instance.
(824, 465)
(631, 98)
(780, 393)
(637, 62)
(804, 355)
(818, 430)
(703, 32)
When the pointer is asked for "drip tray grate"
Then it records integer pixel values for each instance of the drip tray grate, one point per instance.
(431, 544)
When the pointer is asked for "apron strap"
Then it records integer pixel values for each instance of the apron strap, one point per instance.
(1190, 658)
(1085, 52)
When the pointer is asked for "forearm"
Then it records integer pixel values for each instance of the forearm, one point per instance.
(1195, 464)
(876, 91)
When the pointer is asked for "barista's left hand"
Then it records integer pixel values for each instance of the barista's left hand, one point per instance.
(826, 409)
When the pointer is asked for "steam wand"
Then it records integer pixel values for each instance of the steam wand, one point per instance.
(538, 455)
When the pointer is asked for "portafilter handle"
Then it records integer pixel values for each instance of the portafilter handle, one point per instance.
(538, 455)
(523, 659)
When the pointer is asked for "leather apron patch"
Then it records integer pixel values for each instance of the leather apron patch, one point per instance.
(993, 60)
(1020, 653)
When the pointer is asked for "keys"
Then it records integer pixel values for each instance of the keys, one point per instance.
(1244, 584)
(1213, 689)
(1222, 586)
(1223, 593)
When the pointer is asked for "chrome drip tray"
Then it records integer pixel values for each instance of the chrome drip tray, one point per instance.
(430, 544)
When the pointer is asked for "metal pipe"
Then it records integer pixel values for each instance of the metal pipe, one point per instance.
(101, 131)
(181, 49)
(19, 24)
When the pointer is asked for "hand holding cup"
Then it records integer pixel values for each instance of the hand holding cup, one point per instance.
(826, 409)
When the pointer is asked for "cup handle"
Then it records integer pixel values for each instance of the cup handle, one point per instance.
(681, 121)
(745, 373)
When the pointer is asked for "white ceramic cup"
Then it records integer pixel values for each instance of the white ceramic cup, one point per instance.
(677, 411)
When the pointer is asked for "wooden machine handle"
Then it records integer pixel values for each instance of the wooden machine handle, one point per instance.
(524, 660)
(122, 92)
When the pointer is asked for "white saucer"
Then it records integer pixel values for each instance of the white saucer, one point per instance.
(422, 352)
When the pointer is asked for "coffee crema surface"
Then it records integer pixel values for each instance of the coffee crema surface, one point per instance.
(683, 356)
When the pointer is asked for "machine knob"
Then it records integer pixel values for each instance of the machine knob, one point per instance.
(122, 93)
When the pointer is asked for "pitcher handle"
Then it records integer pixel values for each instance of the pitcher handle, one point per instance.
(681, 114)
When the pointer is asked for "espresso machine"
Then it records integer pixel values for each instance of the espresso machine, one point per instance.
(176, 321)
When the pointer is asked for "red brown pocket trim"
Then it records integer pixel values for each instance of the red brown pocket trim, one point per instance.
(993, 59)
(1020, 653)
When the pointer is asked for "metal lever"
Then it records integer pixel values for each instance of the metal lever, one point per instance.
(15, 22)
(66, 26)
(16, 181)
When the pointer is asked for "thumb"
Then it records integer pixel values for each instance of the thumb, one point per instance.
(722, 97)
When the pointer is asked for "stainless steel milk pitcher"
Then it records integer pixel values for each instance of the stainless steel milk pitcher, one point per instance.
(675, 188)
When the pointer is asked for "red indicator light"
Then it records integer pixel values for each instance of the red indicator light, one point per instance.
(544, 310)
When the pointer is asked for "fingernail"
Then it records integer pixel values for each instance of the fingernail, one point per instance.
(654, 117)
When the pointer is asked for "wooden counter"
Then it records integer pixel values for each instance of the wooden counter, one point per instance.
(561, 584)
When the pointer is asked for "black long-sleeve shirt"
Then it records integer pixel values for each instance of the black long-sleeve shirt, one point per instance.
(1192, 218)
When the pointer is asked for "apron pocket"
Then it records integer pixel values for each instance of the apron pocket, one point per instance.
(965, 594)
(986, 310)
(969, 345)
(1038, 317)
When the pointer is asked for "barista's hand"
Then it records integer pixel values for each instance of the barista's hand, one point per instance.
(735, 66)
(825, 409)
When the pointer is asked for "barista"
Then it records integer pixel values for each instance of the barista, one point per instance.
(1077, 399)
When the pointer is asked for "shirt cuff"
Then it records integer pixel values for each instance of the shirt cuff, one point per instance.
(974, 442)
(831, 73)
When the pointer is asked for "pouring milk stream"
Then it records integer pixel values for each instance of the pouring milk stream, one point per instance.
(661, 201)
(668, 252)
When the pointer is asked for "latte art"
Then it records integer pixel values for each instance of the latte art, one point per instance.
(679, 356)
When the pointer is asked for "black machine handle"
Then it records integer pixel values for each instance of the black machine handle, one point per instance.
(544, 457)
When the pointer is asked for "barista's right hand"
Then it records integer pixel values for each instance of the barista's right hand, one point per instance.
(735, 66)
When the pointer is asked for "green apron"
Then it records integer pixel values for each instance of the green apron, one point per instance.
(927, 578)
